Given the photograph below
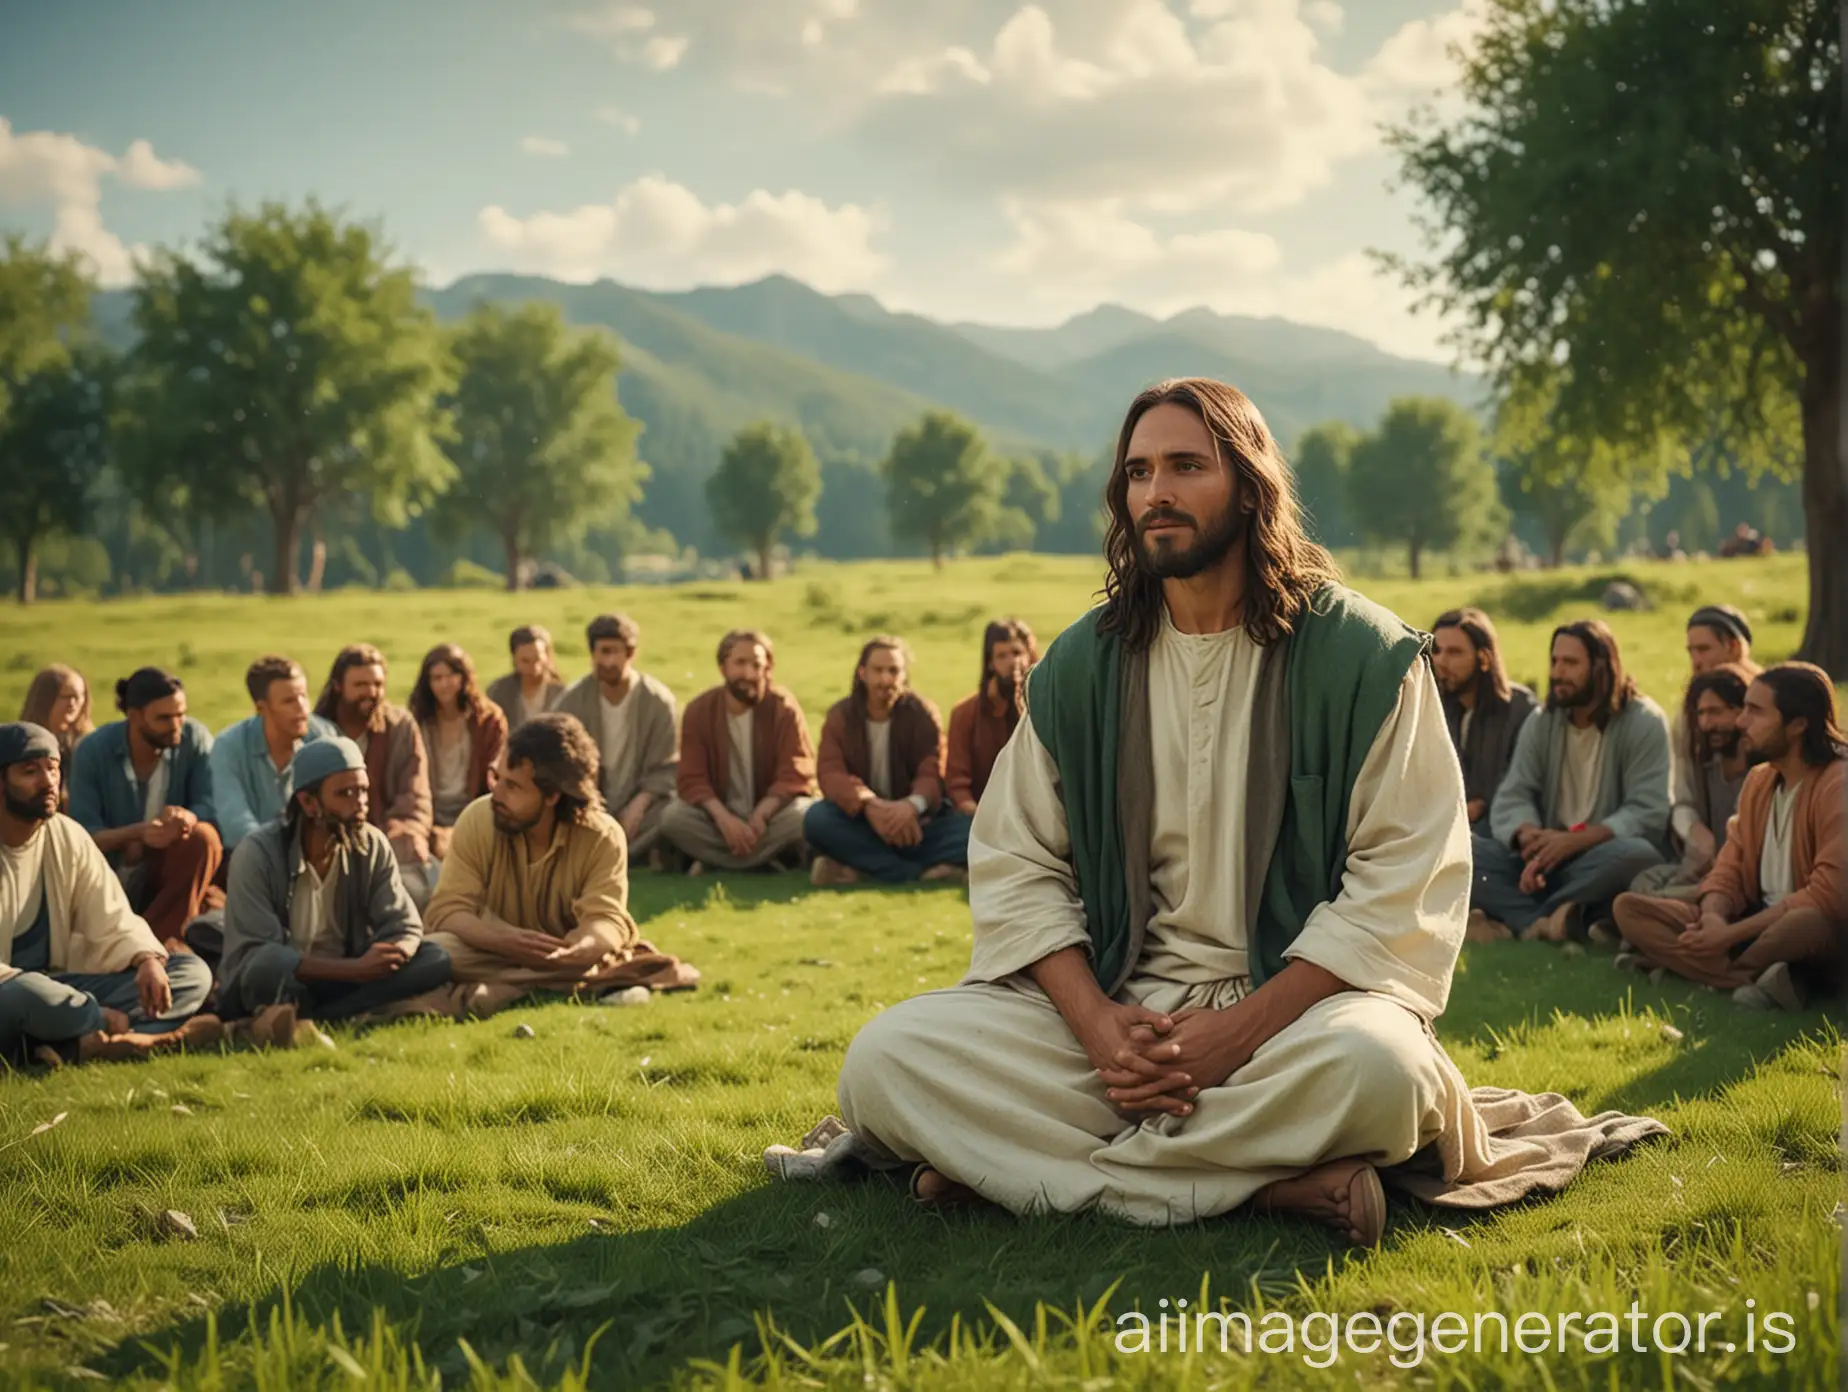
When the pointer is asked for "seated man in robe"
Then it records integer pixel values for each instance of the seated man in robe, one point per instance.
(981, 724)
(534, 895)
(630, 717)
(318, 923)
(142, 787)
(1217, 902)
(81, 974)
(747, 768)
(1772, 921)
(1709, 746)
(1584, 807)
(881, 808)
(399, 800)
(1482, 708)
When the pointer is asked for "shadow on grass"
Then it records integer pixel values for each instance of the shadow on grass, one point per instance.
(1528, 600)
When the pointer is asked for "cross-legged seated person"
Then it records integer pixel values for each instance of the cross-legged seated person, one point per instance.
(1772, 921)
(747, 768)
(630, 718)
(534, 895)
(1218, 882)
(1584, 807)
(143, 788)
(1707, 734)
(881, 809)
(318, 922)
(81, 974)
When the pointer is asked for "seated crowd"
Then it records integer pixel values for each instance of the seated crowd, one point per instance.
(350, 858)
(356, 859)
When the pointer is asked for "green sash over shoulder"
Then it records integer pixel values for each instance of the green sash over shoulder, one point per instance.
(1322, 695)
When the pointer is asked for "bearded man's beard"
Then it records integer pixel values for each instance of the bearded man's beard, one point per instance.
(748, 692)
(36, 809)
(344, 835)
(1211, 543)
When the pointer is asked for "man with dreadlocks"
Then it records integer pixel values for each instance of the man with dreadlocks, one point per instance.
(318, 923)
(1218, 880)
(534, 894)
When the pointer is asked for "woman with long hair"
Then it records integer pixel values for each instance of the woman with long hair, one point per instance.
(464, 732)
(59, 700)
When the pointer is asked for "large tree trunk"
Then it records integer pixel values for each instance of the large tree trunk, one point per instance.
(1556, 550)
(288, 526)
(764, 548)
(1825, 511)
(1412, 551)
(27, 549)
(510, 543)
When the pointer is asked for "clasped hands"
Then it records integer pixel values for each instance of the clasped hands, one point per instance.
(1544, 851)
(896, 821)
(1152, 1062)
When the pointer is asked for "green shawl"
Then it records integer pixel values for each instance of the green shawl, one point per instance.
(1323, 693)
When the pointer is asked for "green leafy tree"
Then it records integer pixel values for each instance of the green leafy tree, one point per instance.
(1576, 491)
(1420, 479)
(286, 366)
(1322, 457)
(49, 393)
(1029, 505)
(54, 445)
(1671, 247)
(766, 487)
(943, 489)
(542, 450)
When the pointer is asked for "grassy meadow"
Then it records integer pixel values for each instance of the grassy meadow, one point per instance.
(435, 1204)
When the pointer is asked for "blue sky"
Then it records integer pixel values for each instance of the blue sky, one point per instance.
(987, 159)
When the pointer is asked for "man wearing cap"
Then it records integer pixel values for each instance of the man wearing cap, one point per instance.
(318, 923)
(81, 974)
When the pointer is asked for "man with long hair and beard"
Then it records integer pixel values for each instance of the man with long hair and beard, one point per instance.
(1771, 922)
(982, 724)
(1584, 808)
(82, 976)
(1482, 708)
(1218, 881)
(318, 922)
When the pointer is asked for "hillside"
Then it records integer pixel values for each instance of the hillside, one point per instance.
(699, 364)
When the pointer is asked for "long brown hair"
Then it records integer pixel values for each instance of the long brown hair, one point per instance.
(43, 694)
(564, 760)
(1492, 685)
(1008, 631)
(879, 640)
(1728, 681)
(469, 699)
(349, 657)
(1283, 567)
(1803, 691)
(1612, 688)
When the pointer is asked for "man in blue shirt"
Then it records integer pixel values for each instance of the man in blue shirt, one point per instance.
(251, 760)
(142, 788)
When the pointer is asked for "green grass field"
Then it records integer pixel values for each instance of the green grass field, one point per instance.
(434, 1202)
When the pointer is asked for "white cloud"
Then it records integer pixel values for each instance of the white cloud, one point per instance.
(617, 117)
(544, 147)
(1416, 62)
(1096, 248)
(52, 168)
(633, 34)
(660, 234)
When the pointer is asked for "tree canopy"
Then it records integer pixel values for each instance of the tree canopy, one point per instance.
(541, 449)
(1420, 478)
(284, 367)
(1643, 204)
(766, 487)
(943, 489)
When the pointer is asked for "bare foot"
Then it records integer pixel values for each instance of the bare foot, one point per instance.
(945, 872)
(1343, 1194)
(934, 1189)
(1482, 928)
(196, 1033)
(695, 869)
(827, 873)
(114, 1021)
(100, 1047)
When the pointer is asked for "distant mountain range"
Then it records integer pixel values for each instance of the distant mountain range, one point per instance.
(699, 364)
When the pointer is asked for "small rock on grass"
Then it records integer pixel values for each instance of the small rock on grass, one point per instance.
(629, 995)
(1671, 1034)
(173, 1223)
(870, 1278)
(523, 1031)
